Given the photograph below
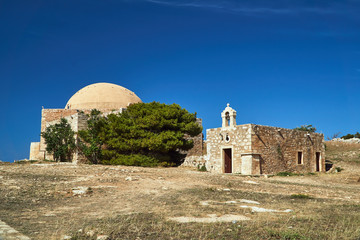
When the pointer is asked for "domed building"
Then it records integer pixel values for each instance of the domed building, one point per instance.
(105, 97)
(102, 96)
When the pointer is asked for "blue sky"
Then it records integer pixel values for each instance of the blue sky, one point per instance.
(280, 63)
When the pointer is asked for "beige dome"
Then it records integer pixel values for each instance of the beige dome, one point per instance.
(102, 96)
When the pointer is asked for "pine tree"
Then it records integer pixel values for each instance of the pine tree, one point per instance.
(148, 134)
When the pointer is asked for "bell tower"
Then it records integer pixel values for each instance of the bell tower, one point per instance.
(228, 117)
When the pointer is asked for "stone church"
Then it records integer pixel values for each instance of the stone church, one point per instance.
(252, 149)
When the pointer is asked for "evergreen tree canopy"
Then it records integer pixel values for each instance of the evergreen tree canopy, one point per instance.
(60, 141)
(89, 140)
(349, 136)
(148, 134)
(307, 128)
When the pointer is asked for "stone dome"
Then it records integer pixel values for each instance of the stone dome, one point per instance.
(102, 96)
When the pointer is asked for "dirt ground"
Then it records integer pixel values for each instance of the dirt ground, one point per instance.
(40, 201)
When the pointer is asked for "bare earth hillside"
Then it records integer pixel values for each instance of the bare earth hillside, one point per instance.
(343, 152)
(53, 201)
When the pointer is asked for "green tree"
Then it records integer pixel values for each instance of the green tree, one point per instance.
(307, 128)
(90, 143)
(149, 134)
(349, 136)
(60, 141)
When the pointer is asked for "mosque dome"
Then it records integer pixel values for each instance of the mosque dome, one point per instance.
(102, 96)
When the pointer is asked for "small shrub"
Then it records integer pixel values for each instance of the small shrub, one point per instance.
(306, 128)
(202, 168)
(338, 169)
(300, 196)
(20, 162)
(349, 136)
(48, 160)
(287, 174)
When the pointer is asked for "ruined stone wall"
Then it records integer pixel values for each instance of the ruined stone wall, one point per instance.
(35, 153)
(194, 156)
(260, 149)
(82, 119)
(198, 140)
(77, 120)
(279, 147)
(238, 138)
(50, 115)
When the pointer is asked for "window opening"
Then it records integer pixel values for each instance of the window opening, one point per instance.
(227, 118)
(300, 158)
(227, 138)
(318, 161)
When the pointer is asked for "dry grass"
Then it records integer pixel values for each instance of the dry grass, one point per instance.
(340, 151)
(37, 200)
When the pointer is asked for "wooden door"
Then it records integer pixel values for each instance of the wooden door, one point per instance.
(227, 161)
(318, 162)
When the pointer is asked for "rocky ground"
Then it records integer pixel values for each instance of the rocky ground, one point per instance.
(65, 201)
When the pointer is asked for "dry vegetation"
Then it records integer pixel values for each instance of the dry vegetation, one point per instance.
(37, 200)
(343, 152)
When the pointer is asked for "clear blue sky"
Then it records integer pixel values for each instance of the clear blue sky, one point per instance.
(281, 63)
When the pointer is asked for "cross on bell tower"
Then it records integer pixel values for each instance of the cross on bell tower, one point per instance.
(228, 117)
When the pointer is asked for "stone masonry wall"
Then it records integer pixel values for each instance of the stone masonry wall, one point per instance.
(197, 150)
(238, 138)
(51, 115)
(35, 151)
(260, 149)
(194, 156)
(279, 147)
(77, 120)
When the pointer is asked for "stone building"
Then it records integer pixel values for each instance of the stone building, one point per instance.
(105, 97)
(252, 149)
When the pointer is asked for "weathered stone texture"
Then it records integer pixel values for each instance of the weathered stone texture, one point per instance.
(237, 138)
(279, 149)
(9, 233)
(49, 116)
(194, 161)
(194, 156)
(77, 120)
(254, 149)
(35, 151)
(198, 140)
(260, 149)
(105, 97)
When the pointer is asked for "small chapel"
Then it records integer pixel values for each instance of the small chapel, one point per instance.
(252, 149)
